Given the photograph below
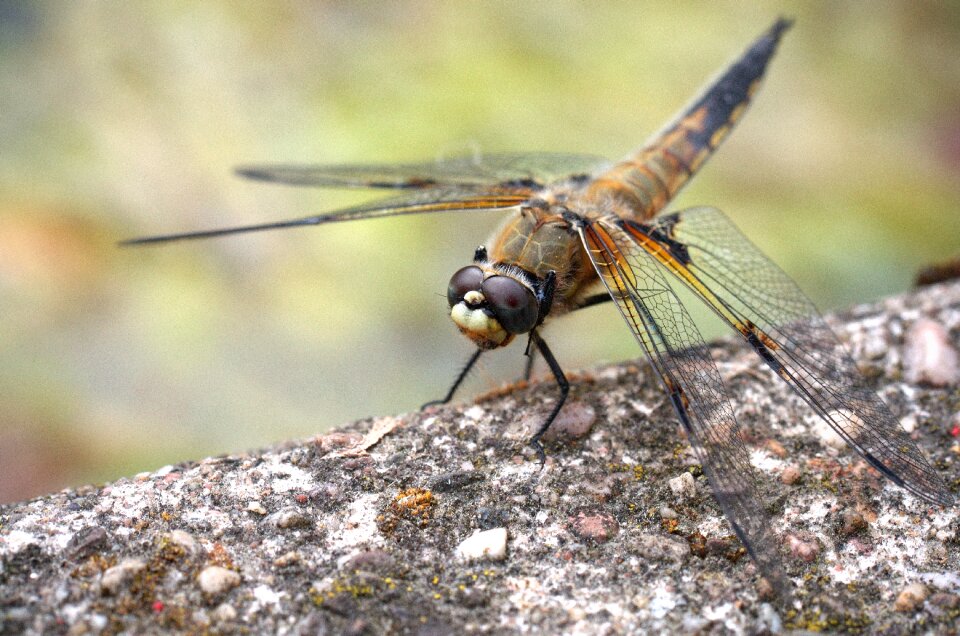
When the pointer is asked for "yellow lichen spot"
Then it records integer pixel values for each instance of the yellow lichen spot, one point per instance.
(435, 580)
(436, 596)
(412, 504)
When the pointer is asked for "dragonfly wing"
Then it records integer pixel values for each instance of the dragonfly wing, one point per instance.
(416, 202)
(706, 251)
(682, 360)
(523, 169)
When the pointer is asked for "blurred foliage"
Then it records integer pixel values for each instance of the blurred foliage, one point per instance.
(120, 119)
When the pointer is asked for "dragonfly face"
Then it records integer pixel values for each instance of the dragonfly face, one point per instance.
(492, 303)
(583, 232)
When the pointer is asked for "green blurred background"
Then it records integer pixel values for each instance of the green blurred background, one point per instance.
(120, 119)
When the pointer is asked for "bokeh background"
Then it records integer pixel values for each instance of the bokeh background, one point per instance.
(120, 119)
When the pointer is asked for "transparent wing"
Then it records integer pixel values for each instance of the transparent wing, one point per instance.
(682, 360)
(526, 169)
(416, 202)
(706, 251)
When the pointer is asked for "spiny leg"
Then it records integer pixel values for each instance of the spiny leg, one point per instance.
(456, 383)
(564, 391)
(528, 366)
(589, 301)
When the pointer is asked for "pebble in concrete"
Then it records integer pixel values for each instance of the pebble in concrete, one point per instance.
(683, 486)
(929, 357)
(911, 597)
(217, 580)
(485, 544)
(597, 528)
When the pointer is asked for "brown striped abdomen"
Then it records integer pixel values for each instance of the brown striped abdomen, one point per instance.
(647, 180)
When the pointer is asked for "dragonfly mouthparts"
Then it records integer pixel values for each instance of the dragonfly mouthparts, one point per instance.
(474, 299)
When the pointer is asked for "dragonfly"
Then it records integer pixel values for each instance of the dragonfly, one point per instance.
(584, 231)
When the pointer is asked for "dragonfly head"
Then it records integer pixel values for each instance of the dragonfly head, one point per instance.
(491, 306)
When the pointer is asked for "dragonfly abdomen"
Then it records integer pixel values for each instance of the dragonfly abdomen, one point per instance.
(647, 180)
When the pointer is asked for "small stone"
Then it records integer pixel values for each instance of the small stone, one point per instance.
(120, 575)
(805, 550)
(929, 357)
(86, 542)
(186, 541)
(596, 528)
(667, 513)
(287, 559)
(256, 507)
(852, 522)
(829, 437)
(217, 580)
(484, 544)
(661, 547)
(791, 474)
(683, 486)
(224, 613)
(911, 597)
(290, 519)
(573, 422)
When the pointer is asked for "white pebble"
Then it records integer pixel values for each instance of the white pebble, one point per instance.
(486, 544)
(929, 357)
(224, 613)
(828, 436)
(683, 485)
(217, 580)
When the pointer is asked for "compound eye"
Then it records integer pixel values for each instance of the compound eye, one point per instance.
(513, 304)
(466, 279)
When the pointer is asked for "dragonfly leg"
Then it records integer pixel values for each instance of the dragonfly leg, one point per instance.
(589, 301)
(564, 391)
(528, 367)
(456, 383)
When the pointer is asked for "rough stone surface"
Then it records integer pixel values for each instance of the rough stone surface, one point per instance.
(356, 531)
